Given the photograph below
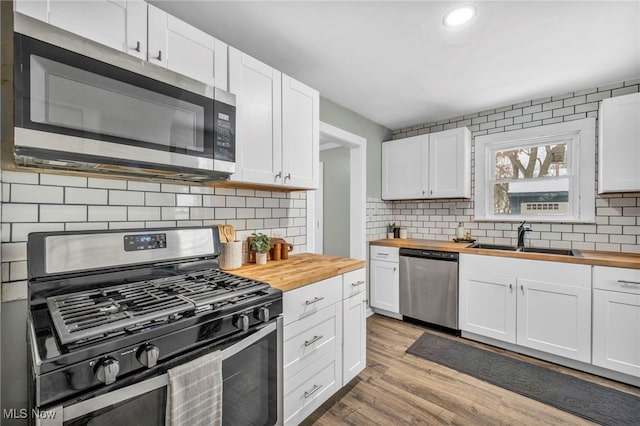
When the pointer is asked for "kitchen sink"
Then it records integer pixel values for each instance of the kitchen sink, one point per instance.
(562, 252)
(493, 247)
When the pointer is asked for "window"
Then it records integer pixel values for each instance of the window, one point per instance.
(541, 174)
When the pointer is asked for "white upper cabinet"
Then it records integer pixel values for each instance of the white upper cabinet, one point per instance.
(619, 144)
(258, 89)
(182, 48)
(437, 165)
(402, 171)
(121, 25)
(300, 134)
(277, 121)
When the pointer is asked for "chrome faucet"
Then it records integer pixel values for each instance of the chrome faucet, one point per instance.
(521, 230)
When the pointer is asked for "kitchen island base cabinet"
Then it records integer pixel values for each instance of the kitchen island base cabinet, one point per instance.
(540, 305)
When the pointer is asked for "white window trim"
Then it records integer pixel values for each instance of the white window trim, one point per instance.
(582, 164)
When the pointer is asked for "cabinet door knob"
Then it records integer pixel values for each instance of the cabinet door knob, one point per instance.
(288, 176)
(522, 288)
(279, 175)
(137, 48)
(510, 288)
(159, 55)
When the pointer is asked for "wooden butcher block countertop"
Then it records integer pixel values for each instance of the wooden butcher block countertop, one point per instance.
(299, 270)
(585, 257)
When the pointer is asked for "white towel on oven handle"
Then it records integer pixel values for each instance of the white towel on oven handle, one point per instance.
(194, 395)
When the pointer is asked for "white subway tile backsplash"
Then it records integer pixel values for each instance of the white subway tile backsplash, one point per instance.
(86, 226)
(213, 201)
(159, 199)
(107, 214)
(36, 194)
(18, 271)
(143, 213)
(19, 213)
(9, 176)
(62, 180)
(63, 213)
(225, 213)
(190, 200)
(202, 190)
(126, 225)
(20, 231)
(12, 252)
(175, 213)
(202, 213)
(160, 224)
(235, 201)
(85, 196)
(126, 198)
(168, 187)
(106, 183)
(225, 191)
(143, 186)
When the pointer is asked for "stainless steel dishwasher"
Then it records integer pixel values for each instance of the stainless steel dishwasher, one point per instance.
(429, 286)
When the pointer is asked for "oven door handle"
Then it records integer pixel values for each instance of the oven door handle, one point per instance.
(94, 404)
(249, 340)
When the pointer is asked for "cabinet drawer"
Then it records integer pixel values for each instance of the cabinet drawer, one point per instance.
(306, 391)
(391, 254)
(616, 279)
(309, 339)
(353, 283)
(307, 300)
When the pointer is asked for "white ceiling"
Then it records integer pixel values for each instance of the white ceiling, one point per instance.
(396, 64)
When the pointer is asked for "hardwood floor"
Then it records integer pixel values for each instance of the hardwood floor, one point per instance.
(397, 388)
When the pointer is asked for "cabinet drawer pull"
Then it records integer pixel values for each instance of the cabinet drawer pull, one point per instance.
(356, 284)
(382, 254)
(626, 283)
(313, 340)
(314, 300)
(315, 389)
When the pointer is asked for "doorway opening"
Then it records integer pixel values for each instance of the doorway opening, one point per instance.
(353, 148)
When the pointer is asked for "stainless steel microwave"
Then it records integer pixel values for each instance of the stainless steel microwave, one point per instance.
(80, 105)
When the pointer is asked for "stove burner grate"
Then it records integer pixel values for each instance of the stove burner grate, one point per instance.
(95, 313)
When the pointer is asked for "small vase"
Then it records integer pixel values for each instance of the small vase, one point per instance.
(261, 258)
(390, 235)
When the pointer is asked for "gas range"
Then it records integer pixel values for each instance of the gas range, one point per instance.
(111, 308)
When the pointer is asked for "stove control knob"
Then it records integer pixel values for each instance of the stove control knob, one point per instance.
(263, 314)
(106, 370)
(148, 355)
(242, 322)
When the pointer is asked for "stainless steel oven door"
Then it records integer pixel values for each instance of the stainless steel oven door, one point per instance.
(252, 391)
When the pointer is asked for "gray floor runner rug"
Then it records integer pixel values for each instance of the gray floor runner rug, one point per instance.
(594, 402)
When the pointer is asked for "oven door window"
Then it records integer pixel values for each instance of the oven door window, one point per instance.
(250, 393)
(147, 409)
(59, 91)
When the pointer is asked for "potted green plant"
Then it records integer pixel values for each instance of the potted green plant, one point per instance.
(261, 243)
(390, 228)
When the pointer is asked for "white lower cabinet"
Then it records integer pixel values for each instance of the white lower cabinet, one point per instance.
(385, 279)
(616, 319)
(324, 341)
(535, 304)
(354, 324)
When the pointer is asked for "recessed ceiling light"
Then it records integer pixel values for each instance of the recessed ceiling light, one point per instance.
(459, 15)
